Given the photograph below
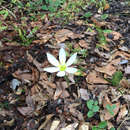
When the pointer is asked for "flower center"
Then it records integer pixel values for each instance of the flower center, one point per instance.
(62, 67)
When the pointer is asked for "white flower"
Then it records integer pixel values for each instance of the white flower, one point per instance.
(61, 66)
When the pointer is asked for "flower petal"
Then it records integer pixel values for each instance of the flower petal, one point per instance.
(62, 56)
(52, 59)
(61, 73)
(51, 69)
(71, 70)
(71, 59)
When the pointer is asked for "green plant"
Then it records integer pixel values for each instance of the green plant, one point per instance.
(110, 108)
(52, 5)
(87, 15)
(112, 128)
(116, 78)
(4, 105)
(101, 126)
(24, 37)
(5, 13)
(93, 107)
(101, 36)
(100, 4)
(2, 27)
(104, 16)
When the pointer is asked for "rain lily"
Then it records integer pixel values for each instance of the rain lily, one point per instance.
(61, 66)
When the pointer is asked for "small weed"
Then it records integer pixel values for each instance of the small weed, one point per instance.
(101, 126)
(52, 5)
(101, 37)
(82, 52)
(4, 105)
(110, 108)
(104, 16)
(87, 15)
(5, 13)
(26, 38)
(2, 27)
(116, 78)
(100, 4)
(93, 107)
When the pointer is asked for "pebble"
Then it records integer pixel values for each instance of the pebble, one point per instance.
(14, 84)
(110, 36)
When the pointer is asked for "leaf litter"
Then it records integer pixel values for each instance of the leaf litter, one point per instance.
(33, 99)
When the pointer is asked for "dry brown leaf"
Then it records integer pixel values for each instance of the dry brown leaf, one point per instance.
(8, 123)
(84, 126)
(83, 44)
(25, 111)
(65, 94)
(109, 69)
(29, 101)
(123, 112)
(110, 125)
(54, 124)
(93, 78)
(52, 85)
(127, 97)
(23, 75)
(124, 83)
(43, 125)
(40, 98)
(84, 94)
(127, 70)
(106, 101)
(75, 112)
(116, 35)
(70, 127)
(98, 23)
(43, 38)
(58, 93)
(121, 54)
(64, 34)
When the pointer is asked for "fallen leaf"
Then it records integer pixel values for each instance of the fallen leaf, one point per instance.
(83, 44)
(110, 125)
(116, 35)
(127, 70)
(121, 54)
(54, 124)
(97, 22)
(122, 113)
(43, 125)
(93, 78)
(64, 34)
(106, 101)
(110, 68)
(58, 92)
(127, 97)
(25, 111)
(43, 38)
(124, 83)
(75, 112)
(84, 126)
(84, 94)
(70, 127)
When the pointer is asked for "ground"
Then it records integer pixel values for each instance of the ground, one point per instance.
(97, 96)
